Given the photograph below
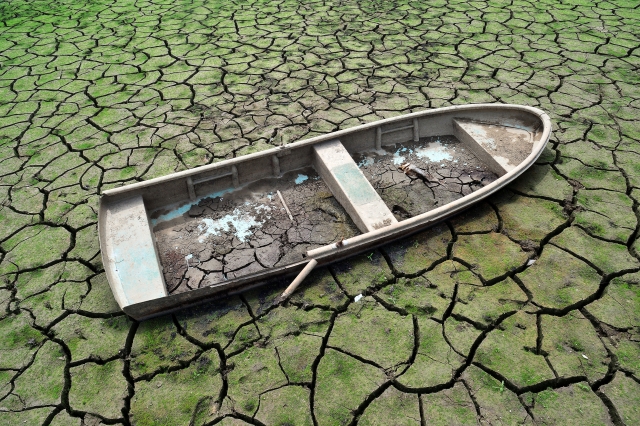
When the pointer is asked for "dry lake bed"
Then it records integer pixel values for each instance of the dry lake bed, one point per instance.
(523, 310)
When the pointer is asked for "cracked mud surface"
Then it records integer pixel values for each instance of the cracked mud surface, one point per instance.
(441, 171)
(524, 309)
(250, 231)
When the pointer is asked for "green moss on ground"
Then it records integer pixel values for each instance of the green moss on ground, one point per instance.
(42, 383)
(497, 404)
(558, 280)
(158, 346)
(255, 370)
(392, 407)
(93, 338)
(215, 322)
(527, 218)
(619, 306)
(355, 380)
(486, 304)
(435, 362)
(361, 272)
(571, 405)
(573, 346)
(608, 257)
(449, 406)
(369, 331)
(511, 351)
(416, 254)
(285, 406)
(624, 392)
(184, 396)
(99, 389)
(492, 255)
(480, 218)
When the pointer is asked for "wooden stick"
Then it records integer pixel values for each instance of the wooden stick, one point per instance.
(301, 276)
(285, 206)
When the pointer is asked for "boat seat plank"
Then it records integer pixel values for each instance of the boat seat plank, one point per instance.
(501, 147)
(132, 252)
(350, 187)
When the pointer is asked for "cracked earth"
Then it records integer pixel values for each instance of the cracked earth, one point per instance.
(522, 310)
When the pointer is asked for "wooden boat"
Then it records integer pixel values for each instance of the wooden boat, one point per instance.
(219, 229)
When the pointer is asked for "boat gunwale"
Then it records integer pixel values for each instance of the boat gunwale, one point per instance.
(320, 138)
(328, 253)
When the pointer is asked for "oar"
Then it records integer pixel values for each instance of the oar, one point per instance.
(301, 276)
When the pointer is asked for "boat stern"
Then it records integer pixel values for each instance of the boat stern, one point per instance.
(129, 253)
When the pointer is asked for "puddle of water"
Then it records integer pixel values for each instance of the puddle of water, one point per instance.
(398, 158)
(435, 152)
(366, 161)
(179, 211)
(241, 221)
(301, 178)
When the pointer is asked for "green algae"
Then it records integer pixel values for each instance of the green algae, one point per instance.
(492, 255)
(435, 362)
(558, 280)
(157, 346)
(571, 405)
(624, 392)
(184, 396)
(99, 389)
(355, 379)
(485, 305)
(392, 407)
(526, 218)
(369, 331)
(573, 346)
(255, 371)
(511, 351)
(416, 254)
(285, 406)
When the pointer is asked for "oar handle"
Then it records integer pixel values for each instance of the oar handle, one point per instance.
(301, 276)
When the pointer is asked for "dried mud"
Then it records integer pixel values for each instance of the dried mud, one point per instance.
(248, 231)
(522, 310)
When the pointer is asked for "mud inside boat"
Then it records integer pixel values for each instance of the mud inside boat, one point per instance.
(222, 228)
(249, 230)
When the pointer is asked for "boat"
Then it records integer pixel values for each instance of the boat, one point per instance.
(196, 235)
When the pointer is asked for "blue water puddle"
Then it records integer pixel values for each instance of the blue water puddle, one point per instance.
(398, 158)
(239, 220)
(434, 151)
(301, 178)
(179, 211)
(366, 161)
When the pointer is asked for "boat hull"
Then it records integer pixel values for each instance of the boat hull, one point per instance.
(131, 258)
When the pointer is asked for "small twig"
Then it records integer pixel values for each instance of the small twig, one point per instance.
(285, 206)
